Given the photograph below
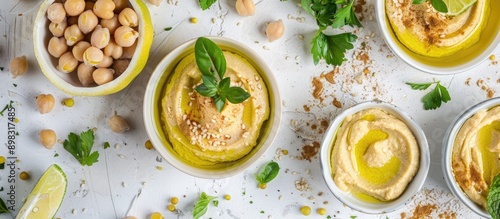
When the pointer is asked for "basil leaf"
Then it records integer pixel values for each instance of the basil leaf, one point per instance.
(3, 207)
(203, 90)
(422, 86)
(209, 82)
(205, 4)
(201, 206)
(236, 95)
(269, 172)
(417, 2)
(209, 58)
(439, 5)
(224, 84)
(219, 103)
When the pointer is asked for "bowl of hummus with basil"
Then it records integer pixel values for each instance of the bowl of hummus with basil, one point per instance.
(471, 148)
(374, 157)
(437, 42)
(188, 129)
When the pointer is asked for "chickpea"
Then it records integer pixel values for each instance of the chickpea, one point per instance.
(106, 62)
(73, 35)
(89, 5)
(174, 200)
(18, 66)
(79, 49)
(171, 208)
(93, 56)
(67, 62)
(275, 30)
(125, 36)
(111, 24)
(104, 9)
(102, 75)
(113, 50)
(87, 21)
(305, 210)
(57, 29)
(118, 124)
(100, 37)
(84, 73)
(74, 7)
(47, 138)
(45, 103)
(24, 175)
(120, 66)
(120, 5)
(128, 52)
(56, 13)
(128, 17)
(57, 46)
(245, 7)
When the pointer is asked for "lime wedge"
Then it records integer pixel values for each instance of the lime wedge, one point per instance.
(46, 197)
(456, 7)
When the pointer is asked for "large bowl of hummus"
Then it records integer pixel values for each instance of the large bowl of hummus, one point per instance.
(190, 133)
(374, 157)
(471, 148)
(437, 43)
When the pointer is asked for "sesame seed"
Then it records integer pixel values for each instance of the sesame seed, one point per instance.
(35, 210)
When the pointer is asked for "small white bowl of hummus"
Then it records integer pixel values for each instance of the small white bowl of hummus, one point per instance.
(190, 133)
(437, 43)
(470, 154)
(374, 157)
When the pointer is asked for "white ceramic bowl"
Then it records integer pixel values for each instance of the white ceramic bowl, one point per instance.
(154, 125)
(349, 199)
(68, 82)
(437, 65)
(448, 142)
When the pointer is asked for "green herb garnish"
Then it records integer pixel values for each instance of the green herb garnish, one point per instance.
(269, 172)
(106, 145)
(205, 4)
(167, 28)
(201, 206)
(335, 14)
(3, 207)
(433, 99)
(439, 5)
(212, 65)
(493, 198)
(81, 146)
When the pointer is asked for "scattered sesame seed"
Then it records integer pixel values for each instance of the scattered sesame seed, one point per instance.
(124, 185)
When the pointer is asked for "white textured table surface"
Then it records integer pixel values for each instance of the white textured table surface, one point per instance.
(107, 189)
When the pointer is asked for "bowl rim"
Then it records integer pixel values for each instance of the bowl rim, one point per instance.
(346, 197)
(41, 33)
(153, 86)
(396, 49)
(448, 141)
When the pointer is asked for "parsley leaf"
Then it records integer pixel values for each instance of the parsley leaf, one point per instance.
(331, 48)
(269, 172)
(3, 207)
(212, 65)
(205, 4)
(493, 198)
(439, 5)
(201, 206)
(106, 145)
(81, 147)
(433, 99)
(346, 16)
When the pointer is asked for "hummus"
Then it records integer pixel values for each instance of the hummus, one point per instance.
(197, 131)
(423, 30)
(476, 152)
(374, 154)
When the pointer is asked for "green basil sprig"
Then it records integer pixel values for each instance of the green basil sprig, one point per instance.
(212, 65)
(439, 5)
(201, 206)
(269, 172)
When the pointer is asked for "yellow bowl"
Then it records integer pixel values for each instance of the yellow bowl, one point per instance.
(68, 82)
(154, 123)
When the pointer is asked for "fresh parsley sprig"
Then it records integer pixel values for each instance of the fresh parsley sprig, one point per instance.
(201, 206)
(493, 198)
(269, 172)
(80, 146)
(205, 4)
(3, 207)
(212, 65)
(334, 14)
(433, 99)
(439, 5)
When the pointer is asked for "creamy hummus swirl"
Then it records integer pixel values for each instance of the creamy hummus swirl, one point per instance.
(198, 132)
(428, 32)
(374, 154)
(476, 153)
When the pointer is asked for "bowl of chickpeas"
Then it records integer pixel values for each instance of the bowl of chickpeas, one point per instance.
(92, 48)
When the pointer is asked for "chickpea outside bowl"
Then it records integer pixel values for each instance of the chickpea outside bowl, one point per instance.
(72, 41)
